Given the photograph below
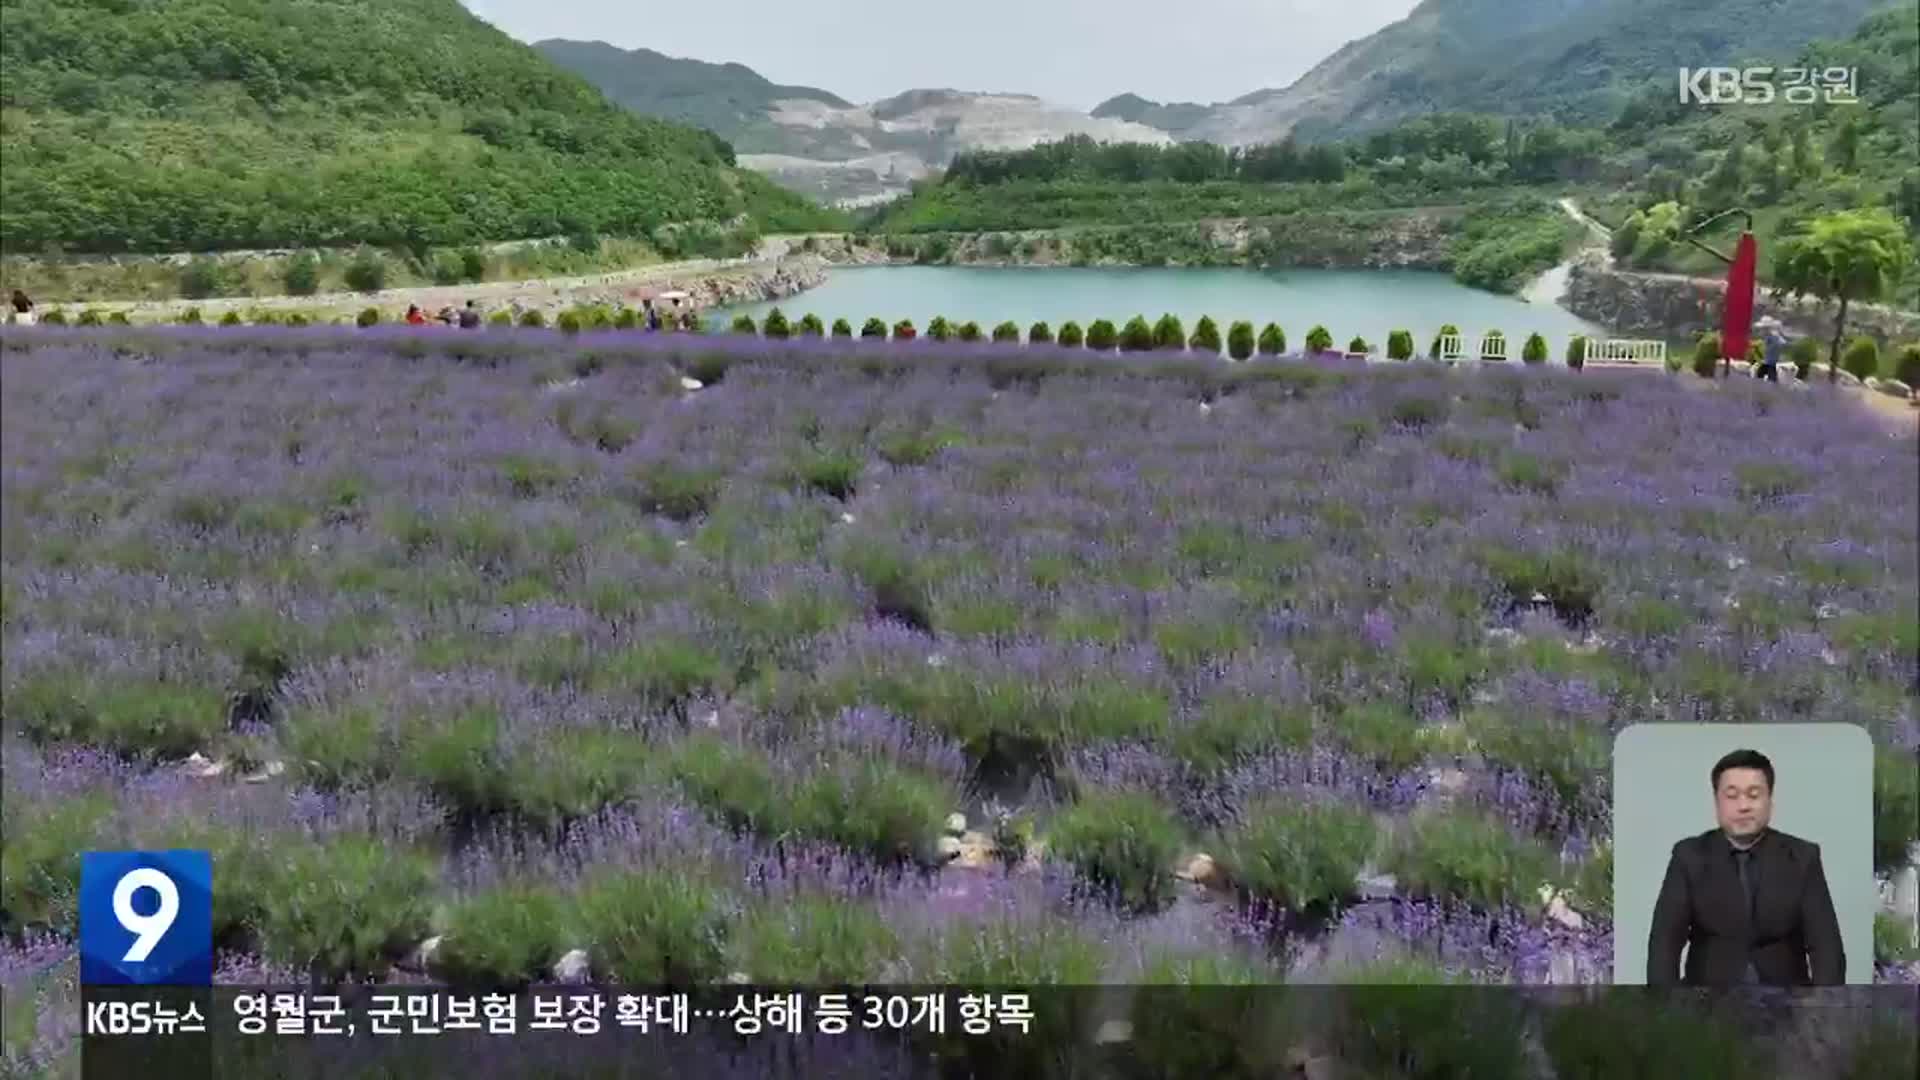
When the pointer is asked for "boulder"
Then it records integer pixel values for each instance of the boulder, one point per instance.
(956, 824)
(948, 848)
(200, 767)
(421, 959)
(1201, 870)
(572, 969)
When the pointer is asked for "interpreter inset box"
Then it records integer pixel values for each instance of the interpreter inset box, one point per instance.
(1762, 873)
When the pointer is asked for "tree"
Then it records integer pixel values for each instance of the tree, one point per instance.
(1007, 331)
(1040, 334)
(1071, 336)
(1240, 340)
(202, 278)
(1206, 335)
(1101, 335)
(302, 275)
(904, 331)
(1137, 335)
(939, 329)
(873, 328)
(473, 265)
(776, 325)
(842, 328)
(811, 326)
(1577, 352)
(1848, 256)
(968, 331)
(1168, 333)
(1273, 340)
(367, 272)
(743, 324)
(1535, 350)
(1319, 340)
(1400, 345)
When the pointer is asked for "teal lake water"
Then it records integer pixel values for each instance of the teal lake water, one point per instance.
(1368, 303)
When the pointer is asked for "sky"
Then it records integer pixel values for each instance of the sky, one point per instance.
(1074, 52)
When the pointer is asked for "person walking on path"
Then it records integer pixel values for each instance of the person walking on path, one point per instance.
(22, 309)
(415, 317)
(469, 316)
(1774, 338)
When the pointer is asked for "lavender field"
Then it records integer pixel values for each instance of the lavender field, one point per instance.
(524, 658)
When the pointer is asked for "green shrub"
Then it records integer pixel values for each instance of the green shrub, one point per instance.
(301, 276)
(367, 317)
(1566, 578)
(655, 929)
(1273, 340)
(873, 807)
(873, 328)
(1385, 733)
(903, 329)
(191, 317)
(1577, 352)
(940, 329)
(1071, 336)
(1040, 334)
(505, 937)
(968, 331)
(1102, 337)
(1302, 855)
(776, 326)
(56, 317)
(1706, 355)
(1137, 335)
(118, 318)
(1400, 345)
(568, 322)
(1206, 335)
(1620, 1034)
(1168, 333)
(1861, 358)
(1446, 330)
(1560, 757)
(533, 320)
(627, 319)
(1803, 352)
(1319, 340)
(676, 491)
(1463, 854)
(231, 318)
(743, 324)
(811, 326)
(1419, 412)
(345, 907)
(834, 473)
(1007, 332)
(814, 940)
(1124, 844)
(1240, 340)
(1896, 806)
(367, 272)
(297, 319)
(1535, 350)
(202, 277)
(40, 867)
(1357, 345)
(842, 328)
(88, 317)
(1906, 365)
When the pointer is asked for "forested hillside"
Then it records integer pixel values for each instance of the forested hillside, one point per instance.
(132, 125)
(1655, 170)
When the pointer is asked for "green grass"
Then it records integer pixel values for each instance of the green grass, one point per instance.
(1124, 844)
(1462, 854)
(1300, 855)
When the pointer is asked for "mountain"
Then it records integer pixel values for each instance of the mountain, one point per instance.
(810, 141)
(205, 125)
(730, 100)
(1575, 61)
(1171, 117)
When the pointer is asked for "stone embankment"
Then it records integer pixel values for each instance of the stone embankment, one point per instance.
(708, 283)
(1673, 307)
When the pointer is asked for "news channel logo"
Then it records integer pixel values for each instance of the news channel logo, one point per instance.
(146, 918)
(1763, 85)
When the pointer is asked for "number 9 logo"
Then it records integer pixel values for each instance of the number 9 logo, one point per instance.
(147, 930)
(169, 945)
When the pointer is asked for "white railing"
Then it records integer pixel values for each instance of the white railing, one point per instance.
(1493, 347)
(1450, 349)
(1629, 350)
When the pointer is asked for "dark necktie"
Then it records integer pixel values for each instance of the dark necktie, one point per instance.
(1740, 860)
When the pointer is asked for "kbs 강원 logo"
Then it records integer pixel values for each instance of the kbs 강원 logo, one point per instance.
(146, 918)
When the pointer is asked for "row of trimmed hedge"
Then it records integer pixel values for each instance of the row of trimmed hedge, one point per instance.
(1861, 358)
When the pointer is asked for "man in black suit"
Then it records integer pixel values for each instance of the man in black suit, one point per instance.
(1749, 903)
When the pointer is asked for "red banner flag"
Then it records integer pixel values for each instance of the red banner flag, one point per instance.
(1736, 320)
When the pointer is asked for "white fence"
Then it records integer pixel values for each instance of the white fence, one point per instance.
(1624, 349)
